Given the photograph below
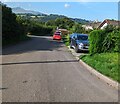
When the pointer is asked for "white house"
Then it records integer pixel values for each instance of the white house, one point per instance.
(87, 27)
(108, 22)
(91, 25)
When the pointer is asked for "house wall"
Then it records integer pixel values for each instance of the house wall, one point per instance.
(87, 27)
(104, 26)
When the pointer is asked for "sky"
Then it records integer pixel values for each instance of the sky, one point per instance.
(84, 10)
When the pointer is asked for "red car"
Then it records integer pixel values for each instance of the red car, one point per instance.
(57, 36)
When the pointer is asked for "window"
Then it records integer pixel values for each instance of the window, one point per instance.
(82, 37)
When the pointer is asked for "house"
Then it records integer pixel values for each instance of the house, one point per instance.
(63, 31)
(108, 22)
(91, 25)
(87, 27)
(95, 25)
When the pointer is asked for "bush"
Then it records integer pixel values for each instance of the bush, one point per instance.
(35, 27)
(96, 37)
(106, 40)
(41, 30)
(110, 42)
(77, 28)
(12, 31)
(66, 39)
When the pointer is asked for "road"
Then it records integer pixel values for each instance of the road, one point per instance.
(43, 70)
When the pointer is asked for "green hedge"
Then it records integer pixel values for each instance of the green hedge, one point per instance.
(106, 40)
(96, 37)
(35, 27)
(41, 30)
(12, 31)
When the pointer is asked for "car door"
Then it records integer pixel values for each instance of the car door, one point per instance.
(74, 40)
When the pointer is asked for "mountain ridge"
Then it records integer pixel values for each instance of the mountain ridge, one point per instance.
(19, 10)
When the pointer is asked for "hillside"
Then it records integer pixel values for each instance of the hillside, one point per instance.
(19, 10)
(43, 17)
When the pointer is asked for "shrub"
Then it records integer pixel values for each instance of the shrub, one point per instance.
(41, 30)
(35, 27)
(96, 37)
(110, 43)
(12, 31)
(112, 39)
(106, 40)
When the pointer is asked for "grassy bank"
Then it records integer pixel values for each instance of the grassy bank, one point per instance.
(105, 63)
(66, 40)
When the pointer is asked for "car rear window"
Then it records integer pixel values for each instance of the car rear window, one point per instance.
(82, 37)
(57, 33)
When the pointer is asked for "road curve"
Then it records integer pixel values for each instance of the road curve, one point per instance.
(43, 70)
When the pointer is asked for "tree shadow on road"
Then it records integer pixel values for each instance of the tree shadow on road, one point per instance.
(36, 43)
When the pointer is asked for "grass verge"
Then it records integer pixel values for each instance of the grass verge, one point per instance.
(66, 40)
(105, 63)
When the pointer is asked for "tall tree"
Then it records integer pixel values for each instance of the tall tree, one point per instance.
(11, 30)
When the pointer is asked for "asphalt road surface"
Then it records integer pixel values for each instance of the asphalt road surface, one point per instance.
(43, 70)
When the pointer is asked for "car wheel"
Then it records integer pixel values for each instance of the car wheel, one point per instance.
(76, 49)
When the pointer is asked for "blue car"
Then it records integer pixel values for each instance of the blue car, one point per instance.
(79, 42)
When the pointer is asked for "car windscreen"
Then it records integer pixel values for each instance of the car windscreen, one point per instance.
(82, 37)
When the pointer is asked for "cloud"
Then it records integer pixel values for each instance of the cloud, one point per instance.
(67, 5)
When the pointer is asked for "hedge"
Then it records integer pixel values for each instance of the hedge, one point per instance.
(106, 40)
(12, 31)
(41, 30)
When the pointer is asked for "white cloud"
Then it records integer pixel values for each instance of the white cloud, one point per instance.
(67, 5)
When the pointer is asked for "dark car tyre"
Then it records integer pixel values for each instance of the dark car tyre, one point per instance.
(76, 49)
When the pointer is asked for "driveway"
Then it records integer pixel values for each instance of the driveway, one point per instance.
(43, 70)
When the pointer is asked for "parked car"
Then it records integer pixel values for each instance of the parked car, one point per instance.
(71, 35)
(57, 35)
(79, 42)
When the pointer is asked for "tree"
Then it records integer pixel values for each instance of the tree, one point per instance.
(77, 28)
(50, 23)
(12, 30)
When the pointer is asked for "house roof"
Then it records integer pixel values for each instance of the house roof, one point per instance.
(94, 24)
(109, 22)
